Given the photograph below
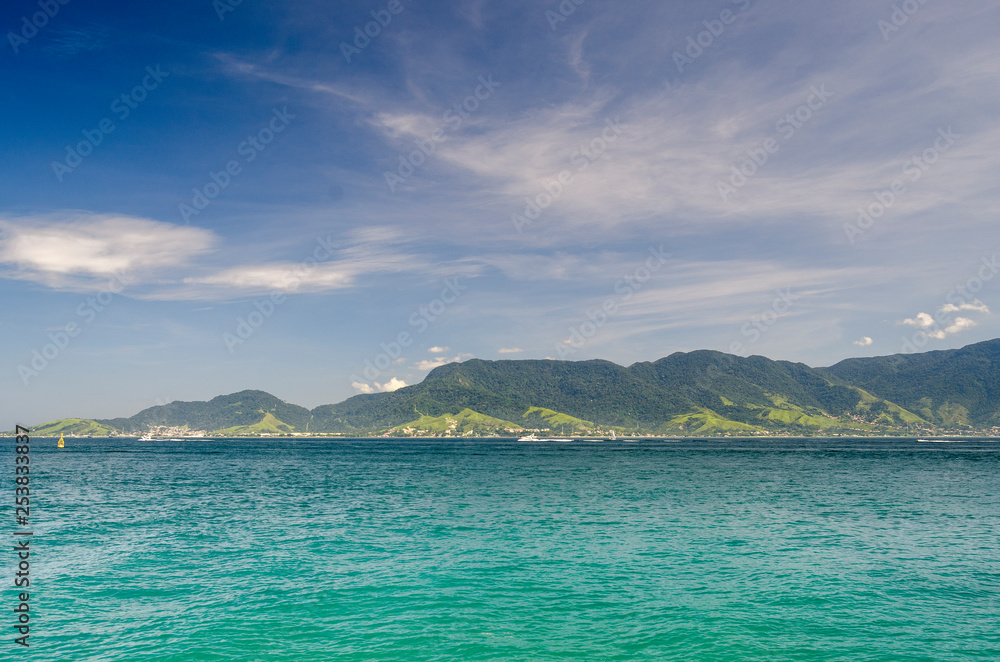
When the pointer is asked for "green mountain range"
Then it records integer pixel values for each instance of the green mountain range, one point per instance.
(696, 393)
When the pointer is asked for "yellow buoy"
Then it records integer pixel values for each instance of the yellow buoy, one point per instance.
(62, 442)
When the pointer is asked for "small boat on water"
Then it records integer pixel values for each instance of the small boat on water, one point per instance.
(146, 437)
(62, 442)
(532, 437)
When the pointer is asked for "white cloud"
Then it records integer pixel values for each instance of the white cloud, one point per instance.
(960, 324)
(280, 277)
(976, 305)
(369, 252)
(81, 250)
(928, 322)
(430, 364)
(921, 321)
(681, 138)
(393, 384)
(376, 250)
(510, 350)
(438, 350)
(864, 342)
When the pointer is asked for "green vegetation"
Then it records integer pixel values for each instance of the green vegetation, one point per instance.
(793, 416)
(541, 418)
(956, 388)
(71, 426)
(695, 393)
(464, 423)
(267, 425)
(246, 408)
(706, 422)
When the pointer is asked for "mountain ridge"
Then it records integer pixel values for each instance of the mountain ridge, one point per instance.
(702, 392)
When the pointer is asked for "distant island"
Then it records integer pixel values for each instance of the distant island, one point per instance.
(701, 393)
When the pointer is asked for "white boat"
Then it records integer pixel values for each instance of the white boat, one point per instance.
(146, 437)
(532, 437)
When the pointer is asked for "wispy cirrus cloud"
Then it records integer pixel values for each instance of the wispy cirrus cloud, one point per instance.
(240, 67)
(364, 254)
(70, 42)
(283, 277)
(681, 141)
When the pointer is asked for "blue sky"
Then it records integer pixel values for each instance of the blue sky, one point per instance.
(198, 198)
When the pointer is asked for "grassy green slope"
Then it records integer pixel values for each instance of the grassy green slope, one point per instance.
(72, 426)
(706, 422)
(466, 422)
(540, 418)
(268, 424)
(957, 387)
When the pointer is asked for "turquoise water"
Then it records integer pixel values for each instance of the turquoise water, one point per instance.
(495, 550)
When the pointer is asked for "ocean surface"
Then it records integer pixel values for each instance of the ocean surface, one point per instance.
(790, 549)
